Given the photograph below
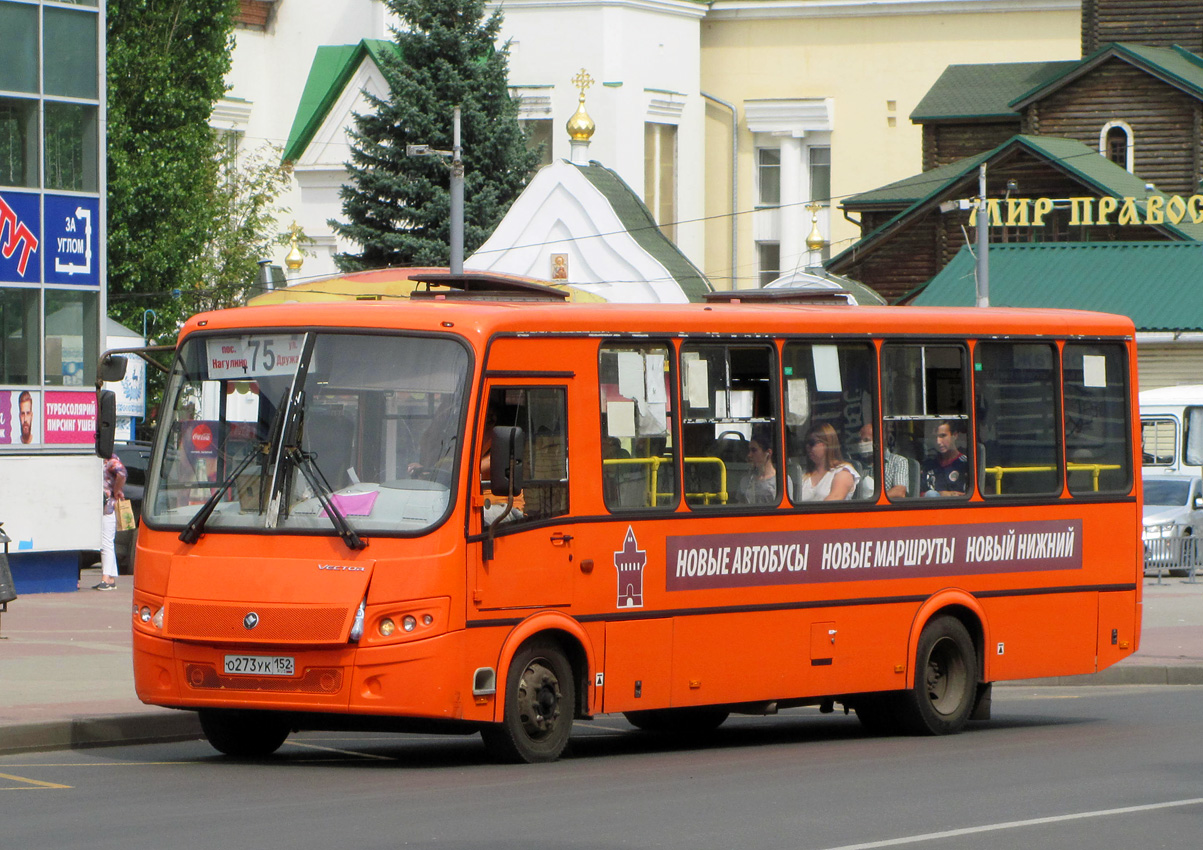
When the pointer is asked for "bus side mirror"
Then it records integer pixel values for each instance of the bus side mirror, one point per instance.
(106, 422)
(507, 444)
(112, 368)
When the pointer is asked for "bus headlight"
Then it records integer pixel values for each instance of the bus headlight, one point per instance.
(414, 619)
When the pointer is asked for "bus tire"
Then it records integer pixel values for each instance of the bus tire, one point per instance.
(244, 734)
(677, 721)
(945, 680)
(540, 703)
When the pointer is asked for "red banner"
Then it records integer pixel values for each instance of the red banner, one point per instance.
(70, 417)
(804, 557)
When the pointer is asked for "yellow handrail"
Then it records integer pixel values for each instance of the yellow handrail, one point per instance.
(722, 480)
(1095, 468)
(653, 478)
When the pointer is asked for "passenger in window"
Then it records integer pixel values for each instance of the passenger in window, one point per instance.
(612, 449)
(759, 486)
(947, 473)
(896, 471)
(828, 478)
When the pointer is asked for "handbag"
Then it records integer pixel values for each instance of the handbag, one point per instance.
(125, 515)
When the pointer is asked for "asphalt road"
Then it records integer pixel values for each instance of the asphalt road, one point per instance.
(1066, 768)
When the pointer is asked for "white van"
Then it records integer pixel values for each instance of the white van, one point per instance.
(1171, 433)
(1171, 430)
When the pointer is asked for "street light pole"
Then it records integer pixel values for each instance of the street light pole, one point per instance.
(983, 241)
(457, 200)
(457, 190)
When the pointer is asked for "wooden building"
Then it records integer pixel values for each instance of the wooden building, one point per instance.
(1125, 122)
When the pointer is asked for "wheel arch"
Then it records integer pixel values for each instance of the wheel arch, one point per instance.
(572, 640)
(966, 608)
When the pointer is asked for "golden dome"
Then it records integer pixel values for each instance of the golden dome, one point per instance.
(814, 241)
(580, 126)
(295, 258)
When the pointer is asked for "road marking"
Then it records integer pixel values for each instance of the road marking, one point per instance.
(1016, 824)
(29, 784)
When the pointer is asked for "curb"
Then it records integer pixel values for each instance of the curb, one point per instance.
(101, 731)
(1125, 675)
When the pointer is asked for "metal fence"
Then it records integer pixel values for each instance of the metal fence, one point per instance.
(1169, 552)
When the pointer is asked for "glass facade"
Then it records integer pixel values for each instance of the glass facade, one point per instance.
(52, 299)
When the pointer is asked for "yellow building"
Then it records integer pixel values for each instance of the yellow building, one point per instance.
(823, 91)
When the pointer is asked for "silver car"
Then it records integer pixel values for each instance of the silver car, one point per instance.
(1173, 524)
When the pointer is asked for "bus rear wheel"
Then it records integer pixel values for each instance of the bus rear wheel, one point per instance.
(677, 721)
(244, 734)
(540, 703)
(945, 680)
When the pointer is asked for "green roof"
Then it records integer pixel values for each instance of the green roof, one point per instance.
(637, 220)
(1156, 284)
(1000, 90)
(984, 91)
(917, 187)
(332, 68)
(1174, 65)
(1096, 173)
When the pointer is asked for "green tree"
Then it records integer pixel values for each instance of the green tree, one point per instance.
(167, 61)
(398, 207)
(245, 227)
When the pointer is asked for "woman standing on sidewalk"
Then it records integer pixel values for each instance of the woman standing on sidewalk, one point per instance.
(114, 491)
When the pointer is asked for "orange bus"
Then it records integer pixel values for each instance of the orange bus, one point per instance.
(489, 512)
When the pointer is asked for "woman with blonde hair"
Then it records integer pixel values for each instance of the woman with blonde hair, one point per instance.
(828, 478)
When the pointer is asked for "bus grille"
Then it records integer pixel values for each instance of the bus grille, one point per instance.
(207, 620)
(316, 680)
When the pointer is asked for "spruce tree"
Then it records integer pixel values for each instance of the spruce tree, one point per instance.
(398, 207)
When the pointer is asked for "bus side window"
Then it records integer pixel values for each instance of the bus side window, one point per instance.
(638, 469)
(833, 448)
(1158, 440)
(1098, 455)
(926, 419)
(1016, 397)
(729, 435)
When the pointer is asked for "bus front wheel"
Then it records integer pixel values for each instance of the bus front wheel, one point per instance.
(945, 680)
(244, 734)
(540, 703)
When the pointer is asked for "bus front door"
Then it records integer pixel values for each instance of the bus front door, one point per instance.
(531, 560)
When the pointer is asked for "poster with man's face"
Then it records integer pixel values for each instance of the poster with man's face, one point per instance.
(19, 423)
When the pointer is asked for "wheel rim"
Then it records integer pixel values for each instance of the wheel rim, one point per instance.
(946, 676)
(539, 700)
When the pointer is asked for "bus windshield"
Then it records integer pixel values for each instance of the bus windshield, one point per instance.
(311, 431)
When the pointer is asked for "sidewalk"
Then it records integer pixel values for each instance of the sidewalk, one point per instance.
(66, 678)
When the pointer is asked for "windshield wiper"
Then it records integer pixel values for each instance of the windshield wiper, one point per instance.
(192, 531)
(318, 483)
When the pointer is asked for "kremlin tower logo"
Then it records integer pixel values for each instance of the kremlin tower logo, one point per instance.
(630, 562)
